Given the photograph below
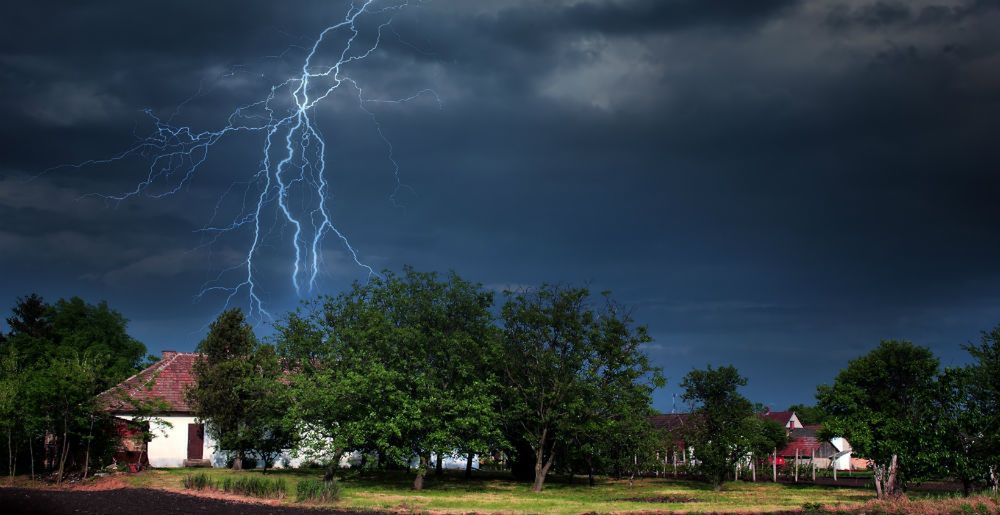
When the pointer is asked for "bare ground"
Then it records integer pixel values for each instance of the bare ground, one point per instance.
(132, 501)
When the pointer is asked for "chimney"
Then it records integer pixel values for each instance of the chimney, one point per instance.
(167, 354)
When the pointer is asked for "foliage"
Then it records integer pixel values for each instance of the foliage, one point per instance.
(317, 491)
(398, 366)
(725, 428)
(983, 403)
(238, 393)
(883, 403)
(574, 376)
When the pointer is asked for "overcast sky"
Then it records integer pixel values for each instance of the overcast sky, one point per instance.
(773, 184)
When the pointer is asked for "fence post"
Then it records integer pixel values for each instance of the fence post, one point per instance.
(774, 466)
(796, 465)
(812, 462)
(753, 468)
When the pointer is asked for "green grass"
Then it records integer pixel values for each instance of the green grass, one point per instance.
(496, 493)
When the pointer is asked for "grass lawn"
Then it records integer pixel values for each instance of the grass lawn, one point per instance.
(391, 491)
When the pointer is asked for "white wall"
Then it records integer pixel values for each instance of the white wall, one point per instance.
(841, 444)
(168, 448)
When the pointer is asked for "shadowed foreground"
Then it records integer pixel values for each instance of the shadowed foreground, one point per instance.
(132, 501)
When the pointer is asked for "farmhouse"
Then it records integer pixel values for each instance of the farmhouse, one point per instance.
(179, 440)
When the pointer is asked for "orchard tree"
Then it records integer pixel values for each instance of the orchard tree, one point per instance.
(883, 403)
(573, 374)
(724, 427)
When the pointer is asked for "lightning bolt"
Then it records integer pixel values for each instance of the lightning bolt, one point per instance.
(292, 165)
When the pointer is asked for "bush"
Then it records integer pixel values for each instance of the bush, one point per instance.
(254, 486)
(314, 490)
(199, 481)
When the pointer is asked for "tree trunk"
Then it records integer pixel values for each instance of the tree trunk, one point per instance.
(590, 470)
(418, 482)
(994, 479)
(878, 472)
(332, 466)
(891, 489)
(10, 452)
(542, 466)
(439, 466)
(468, 466)
(65, 451)
(31, 456)
(86, 456)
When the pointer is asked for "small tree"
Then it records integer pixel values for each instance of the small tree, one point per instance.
(984, 402)
(723, 429)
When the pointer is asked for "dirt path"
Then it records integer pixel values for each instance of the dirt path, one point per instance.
(132, 501)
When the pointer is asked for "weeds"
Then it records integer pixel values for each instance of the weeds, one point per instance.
(314, 490)
(240, 485)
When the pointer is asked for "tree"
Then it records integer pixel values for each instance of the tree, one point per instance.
(725, 429)
(66, 353)
(984, 401)
(571, 373)
(395, 366)
(883, 403)
(238, 393)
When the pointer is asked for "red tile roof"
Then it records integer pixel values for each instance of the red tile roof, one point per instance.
(781, 417)
(167, 380)
(805, 441)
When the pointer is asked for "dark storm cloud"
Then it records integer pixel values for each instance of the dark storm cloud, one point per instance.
(766, 182)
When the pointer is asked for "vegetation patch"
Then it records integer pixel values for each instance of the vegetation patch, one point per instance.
(316, 491)
(252, 486)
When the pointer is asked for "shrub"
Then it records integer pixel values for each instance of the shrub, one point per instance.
(199, 481)
(812, 507)
(254, 486)
(314, 490)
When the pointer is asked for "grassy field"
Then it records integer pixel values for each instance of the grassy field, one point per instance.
(452, 494)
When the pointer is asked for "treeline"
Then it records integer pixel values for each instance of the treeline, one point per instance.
(54, 361)
(408, 366)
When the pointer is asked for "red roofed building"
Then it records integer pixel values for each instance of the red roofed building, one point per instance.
(179, 439)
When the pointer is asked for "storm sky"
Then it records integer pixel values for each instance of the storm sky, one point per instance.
(773, 184)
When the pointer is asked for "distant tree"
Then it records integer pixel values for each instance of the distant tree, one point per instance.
(883, 403)
(725, 429)
(237, 392)
(573, 374)
(808, 415)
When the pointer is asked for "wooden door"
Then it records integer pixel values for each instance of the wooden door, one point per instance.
(196, 441)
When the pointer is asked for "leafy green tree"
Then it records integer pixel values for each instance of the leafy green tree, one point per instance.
(984, 401)
(60, 357)
(573, 374)
(395, 366)
(724, 428)
(883, 403)
(238, 391)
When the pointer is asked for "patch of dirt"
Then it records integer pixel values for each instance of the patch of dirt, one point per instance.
(137, 500)
(662, 499)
